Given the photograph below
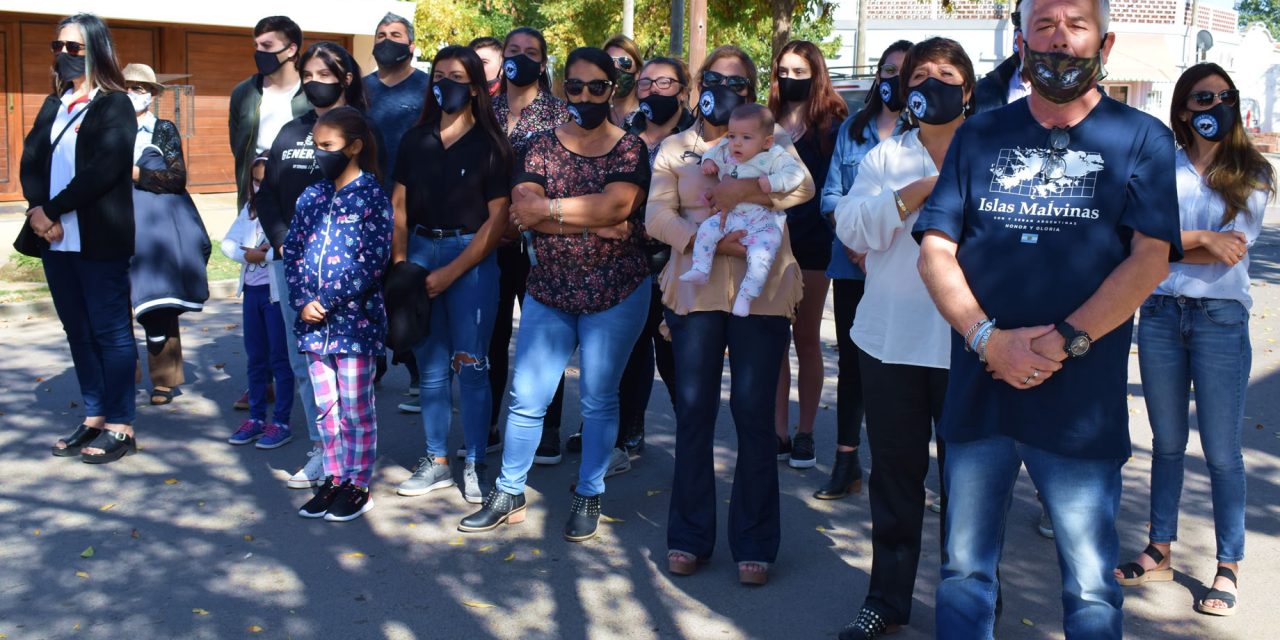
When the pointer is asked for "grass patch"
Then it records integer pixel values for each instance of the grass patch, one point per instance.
(23, 295)
(222, 267)
(22, 268)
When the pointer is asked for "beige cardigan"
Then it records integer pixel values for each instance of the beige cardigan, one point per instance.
(673, 214)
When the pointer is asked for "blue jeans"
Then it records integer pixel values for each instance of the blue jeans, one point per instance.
(756, 345)
(1206, 342)
(457, 344)
(267, 352)
(92, 301)
(547, 339)
(1082, 496)
(297, 359)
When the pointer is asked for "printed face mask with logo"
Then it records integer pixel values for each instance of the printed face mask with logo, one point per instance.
(890, 95)
(658, 108)
(717, 103)
(1215, 123)
(589, 115)
(1060, 77)
(521, 70)
(452, 96)
(936, 102)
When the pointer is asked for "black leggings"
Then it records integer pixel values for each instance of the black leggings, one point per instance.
(849, 409)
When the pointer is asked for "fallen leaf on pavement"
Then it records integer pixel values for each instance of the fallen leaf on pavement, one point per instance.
(36, 532)
(220, 366)
(477, 605)
(653, 492)
(82, 574)
(171, 481)
(107, 507)
(610, 519)
(487, 548)
(510, 556)
(87, 553)
(255, 629)
(1028, 622)
(354, 554)
(39, 379)
(537, 552)
(248, 538)
(200, 612)
(457, 542)
(135, 535)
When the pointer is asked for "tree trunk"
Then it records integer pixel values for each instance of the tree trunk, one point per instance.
(782, 12)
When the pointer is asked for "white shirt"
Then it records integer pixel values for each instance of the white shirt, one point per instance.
(1017, 88)
(146, 128)
(274, 112)
(1200, 209)
(62, 169)
(896, 322)
(247, 232)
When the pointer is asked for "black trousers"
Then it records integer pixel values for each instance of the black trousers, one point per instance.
(637, 378)
(847, 294)
(513, 266)
(903, 403)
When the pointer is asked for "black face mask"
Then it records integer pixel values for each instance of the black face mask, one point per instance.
(889, 94)
(268, 61)
(717, 103)
(626, 83)
(322, 94)
(589, 115)
(1215, 123)
(521, 70)
(69, 67)
(936, 102)
(658, 108)
(794, 89)
(390, 53)
(452, 96)
(332, 163)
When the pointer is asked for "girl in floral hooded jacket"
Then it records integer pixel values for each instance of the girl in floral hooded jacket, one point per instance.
(335, 254)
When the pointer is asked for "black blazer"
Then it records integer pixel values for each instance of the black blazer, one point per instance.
(101, 193)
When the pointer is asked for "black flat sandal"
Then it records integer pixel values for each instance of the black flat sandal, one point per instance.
(1134, 575)
(81, 437)
(114, 445)
(1218, 594)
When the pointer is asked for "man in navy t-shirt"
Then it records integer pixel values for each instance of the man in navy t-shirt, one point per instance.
(396, 90)
(1052, 219)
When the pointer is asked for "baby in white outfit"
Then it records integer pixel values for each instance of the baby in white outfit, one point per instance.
(746, 151)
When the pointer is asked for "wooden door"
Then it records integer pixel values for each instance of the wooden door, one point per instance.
(9, 130)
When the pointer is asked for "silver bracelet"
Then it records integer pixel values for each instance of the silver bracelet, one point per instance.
(982, 343)
(968, 335)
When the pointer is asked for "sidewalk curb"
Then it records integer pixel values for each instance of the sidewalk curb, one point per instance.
(44, 307)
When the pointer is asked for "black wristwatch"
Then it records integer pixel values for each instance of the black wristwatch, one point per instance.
(1078, 342)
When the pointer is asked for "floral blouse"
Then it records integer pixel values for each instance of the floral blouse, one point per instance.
(546, 112)
(584, 273)
(336, 252)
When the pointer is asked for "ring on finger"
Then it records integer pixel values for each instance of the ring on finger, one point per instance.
(1035, 373)
(1027, 380)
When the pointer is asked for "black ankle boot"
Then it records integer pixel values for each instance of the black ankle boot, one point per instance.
(584, 516)
(632, 439)
(846, 477)
(499, 507)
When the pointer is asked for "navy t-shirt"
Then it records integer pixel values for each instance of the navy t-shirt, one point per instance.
(1034, 250)
(395, 110)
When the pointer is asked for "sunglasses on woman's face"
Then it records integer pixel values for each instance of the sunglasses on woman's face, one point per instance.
(736, 84)
(597, 88)
(1228, 97)
(623, 62)
(73, 48)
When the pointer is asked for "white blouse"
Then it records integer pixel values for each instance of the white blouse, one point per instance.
(896, 322)
(1200, 209)
(62, 168)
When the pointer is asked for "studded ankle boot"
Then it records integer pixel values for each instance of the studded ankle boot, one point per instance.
(584, 517)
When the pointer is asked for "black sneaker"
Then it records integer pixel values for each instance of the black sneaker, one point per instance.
(351, 503)
(784, 449)
(802, 451)
(548, 451)
(318, 505)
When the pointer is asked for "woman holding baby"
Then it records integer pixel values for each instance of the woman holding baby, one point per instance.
(681, 197)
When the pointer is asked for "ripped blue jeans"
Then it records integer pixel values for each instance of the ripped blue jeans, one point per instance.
(458, 345)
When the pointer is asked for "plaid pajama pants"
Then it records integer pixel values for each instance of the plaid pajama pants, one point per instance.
(345, 414)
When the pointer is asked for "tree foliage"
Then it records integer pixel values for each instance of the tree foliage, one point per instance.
(568, 24)
(1264, 11)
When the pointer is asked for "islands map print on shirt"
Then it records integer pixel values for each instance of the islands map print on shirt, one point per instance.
(1039, 203)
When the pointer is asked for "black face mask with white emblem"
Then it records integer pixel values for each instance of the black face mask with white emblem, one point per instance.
(935, 102)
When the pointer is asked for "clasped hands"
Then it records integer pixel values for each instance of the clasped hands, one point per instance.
(1025, 358)
(44, 227)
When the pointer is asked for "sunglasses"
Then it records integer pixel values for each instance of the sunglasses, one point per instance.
(736, 84)
(623, 62)
(1055, 165)
(73, 48)
(597, 88)
(1228, 97)
(662, 83)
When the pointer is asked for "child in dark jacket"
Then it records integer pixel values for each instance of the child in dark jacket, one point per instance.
(335, 254)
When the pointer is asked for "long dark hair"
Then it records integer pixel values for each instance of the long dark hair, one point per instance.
(544, 81)
(938, 49)
(874, 102)
(340, 63)
(1238, 169)
(101, 66)
(824, 107)
(481, 106)
(355, 126)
